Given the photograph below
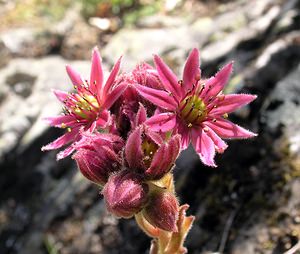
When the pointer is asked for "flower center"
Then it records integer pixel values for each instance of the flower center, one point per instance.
(86, 106)
(149, 149)
(192, 110)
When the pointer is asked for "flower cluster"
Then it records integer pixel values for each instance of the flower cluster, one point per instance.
(126, 133)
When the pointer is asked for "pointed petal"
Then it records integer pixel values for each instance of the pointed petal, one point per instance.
(216, 84)
(103, 119)
(74, 76)
(164, 159)
(185, 136)
(133, 151)
(162, 122)
(185, 140)
(110, 98)
(204, 146)
(227, 129)
(154, 136)
(141, 115)
(62, 140)
(60, 121)
(96, 77)
(231, 102)
(65, 153)
(110, 81)
(191, 72)
(168, 78)
(157, 97)
(60, 95)
(220, 145)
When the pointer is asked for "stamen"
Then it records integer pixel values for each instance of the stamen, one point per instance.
(192, 110)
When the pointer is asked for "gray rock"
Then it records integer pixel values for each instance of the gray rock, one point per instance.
(283, 110)
(5, 55)
(160, 21)
(79, 41)
(140, 45)
(29, 42)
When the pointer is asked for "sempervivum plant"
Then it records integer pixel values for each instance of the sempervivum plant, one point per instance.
(126, 134)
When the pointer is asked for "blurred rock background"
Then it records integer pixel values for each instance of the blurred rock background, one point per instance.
(249, 204)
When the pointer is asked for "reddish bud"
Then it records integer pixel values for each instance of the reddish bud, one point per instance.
(98, 156)
(148, 154)
(164, 159)
(162, 210)
(125, 194)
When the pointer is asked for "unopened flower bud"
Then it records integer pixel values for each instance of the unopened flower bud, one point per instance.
(97, 165)
(162, 210)
(147, 153)
(98, 156)
(125, 194)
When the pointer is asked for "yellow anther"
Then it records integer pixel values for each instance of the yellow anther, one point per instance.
(190, 125)
(225, 115)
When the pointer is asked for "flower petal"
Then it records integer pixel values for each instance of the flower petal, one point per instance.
(60, 95)
(133, 152)
(62, 140)
(204, 146)
(141, 115)
(157, 97)
(168, 78)
(216, 84)
(111, 78)
(191, 72)
(96, 77)
(60, 121)
(162, 122)
(103, 119)
(231, 102)
(154, 136)
(74, 76)
(227, 129)
(110, 98)
(164, 158)
(220, 145)
(185, 136)
(65, 153)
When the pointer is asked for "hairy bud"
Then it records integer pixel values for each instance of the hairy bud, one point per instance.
(147, 153)
(162, 210)
(125, 194)
(98, 156)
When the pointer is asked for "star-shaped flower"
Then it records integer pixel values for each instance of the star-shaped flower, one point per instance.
(87, 108)
(196, 109)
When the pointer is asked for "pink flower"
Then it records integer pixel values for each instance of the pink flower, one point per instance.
(87, 108)
(195, 108)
